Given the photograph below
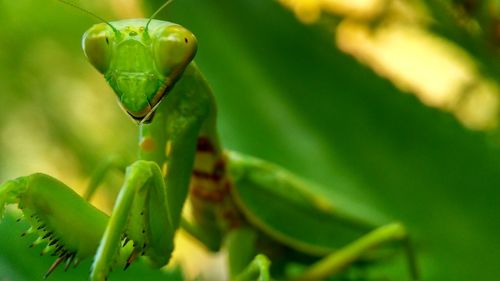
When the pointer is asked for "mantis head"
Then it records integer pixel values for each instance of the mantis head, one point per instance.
(141, 59)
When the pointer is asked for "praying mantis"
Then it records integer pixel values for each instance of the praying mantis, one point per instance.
(266, 217)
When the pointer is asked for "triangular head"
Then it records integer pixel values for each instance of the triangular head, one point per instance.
(141, 59)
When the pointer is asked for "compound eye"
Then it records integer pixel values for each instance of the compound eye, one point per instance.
(96, 45)
(174, 48)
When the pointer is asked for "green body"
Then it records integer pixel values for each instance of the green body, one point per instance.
(254, 208)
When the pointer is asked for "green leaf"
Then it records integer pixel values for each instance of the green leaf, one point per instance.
(288, 95)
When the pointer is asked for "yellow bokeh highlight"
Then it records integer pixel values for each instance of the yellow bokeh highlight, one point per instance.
(399, 52)
(127, 9)
(309, 11)
(391, 37)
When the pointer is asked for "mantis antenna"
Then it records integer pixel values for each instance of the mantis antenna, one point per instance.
(156, 13)
(117, 33)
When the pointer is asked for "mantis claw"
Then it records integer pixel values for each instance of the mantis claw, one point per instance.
(68, 262)
(131, 258)
(53, 267)
(57, 215)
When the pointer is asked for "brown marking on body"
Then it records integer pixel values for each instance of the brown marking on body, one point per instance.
(208, 195)
(232, 218)
(206, 176)
(219, 168)
(216, 194)
(204, 145)
(218, 171)
(210, 185)
(147, 144)
(226, 188)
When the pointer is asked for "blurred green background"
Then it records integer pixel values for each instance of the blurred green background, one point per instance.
(288, 94)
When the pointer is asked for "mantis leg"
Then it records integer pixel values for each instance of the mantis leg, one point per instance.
(324, 227)
(149, 206)
(339, 260)
(258, 269)
(69, 225)
(241, 248)
(100, 173)
(140, 214)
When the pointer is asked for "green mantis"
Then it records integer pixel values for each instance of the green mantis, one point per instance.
(260, 212)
